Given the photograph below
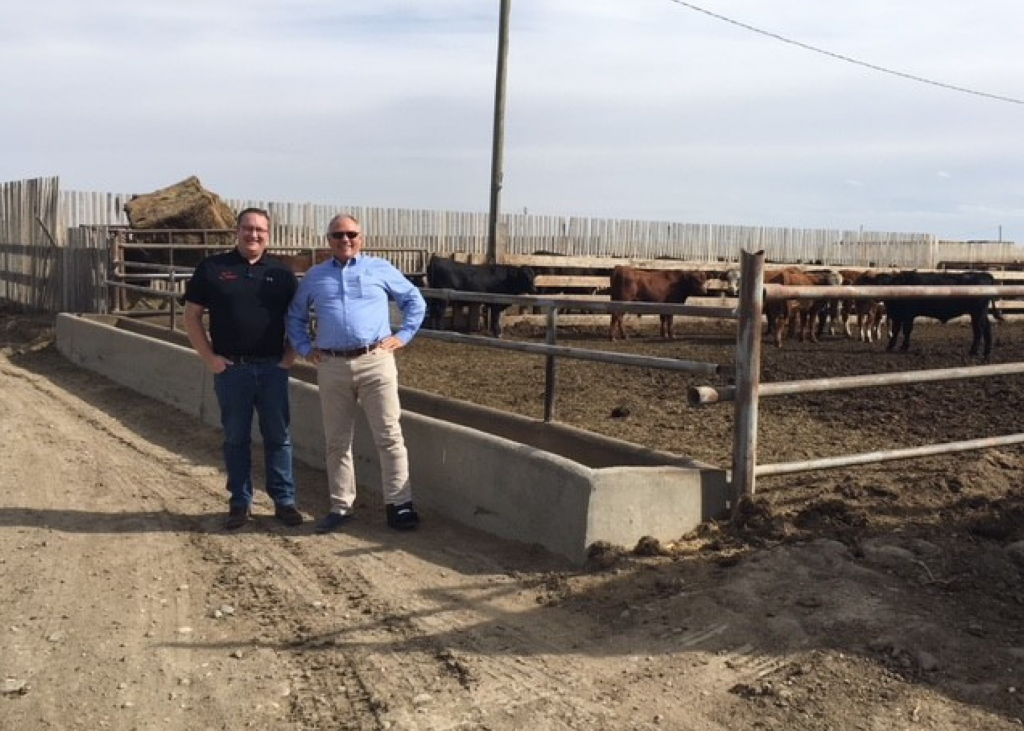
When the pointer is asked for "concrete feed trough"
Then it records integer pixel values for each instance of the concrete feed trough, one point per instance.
(515, 477)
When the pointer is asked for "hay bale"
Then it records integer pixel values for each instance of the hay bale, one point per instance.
(184, 205)
(183, 222)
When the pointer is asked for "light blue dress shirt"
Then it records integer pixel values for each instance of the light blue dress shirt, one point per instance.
(351, 302)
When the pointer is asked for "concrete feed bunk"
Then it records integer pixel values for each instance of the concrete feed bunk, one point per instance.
(514, 477)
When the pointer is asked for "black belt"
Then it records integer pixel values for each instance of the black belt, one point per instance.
(353, 353)
(253, 359)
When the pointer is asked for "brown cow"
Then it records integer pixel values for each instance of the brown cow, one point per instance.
(870, 313)
(653, 285)
(303, 261)
(796, 314)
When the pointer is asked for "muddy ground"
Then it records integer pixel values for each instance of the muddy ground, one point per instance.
(875, 597)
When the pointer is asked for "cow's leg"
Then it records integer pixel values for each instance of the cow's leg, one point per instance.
(827, 318)
(873, 324)
(666, 327)
(982, 330)
(769, 317)
(816, 315)
(894, 334)
(908, 327)
(792, 319)
(616, 326)
(844, 316)
(781, 323)
(435, 311)
(877, 325)
(475, 312)
(495, 315)
(880, 323)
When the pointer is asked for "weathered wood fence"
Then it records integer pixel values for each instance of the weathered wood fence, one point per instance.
(54, 243)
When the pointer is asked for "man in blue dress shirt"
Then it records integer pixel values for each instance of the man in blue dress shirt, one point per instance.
(354, 357)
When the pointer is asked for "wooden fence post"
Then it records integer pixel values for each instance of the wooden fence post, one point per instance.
(748, 373)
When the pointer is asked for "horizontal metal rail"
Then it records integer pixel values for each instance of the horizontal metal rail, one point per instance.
(143, 289)
(165, 268)
(173, 247)
(747, 391)
(600, 356)
(853, 292)
(788, 468)
(525, 300)
(705, 395)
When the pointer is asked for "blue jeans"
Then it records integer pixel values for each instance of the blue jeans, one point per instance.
(264, 387)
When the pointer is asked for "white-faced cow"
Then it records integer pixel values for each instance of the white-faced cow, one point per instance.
(445, 273)
(901, 312)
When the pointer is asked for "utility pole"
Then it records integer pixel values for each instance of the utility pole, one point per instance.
(497, 172)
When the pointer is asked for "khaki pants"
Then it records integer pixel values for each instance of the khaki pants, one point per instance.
(370, 382)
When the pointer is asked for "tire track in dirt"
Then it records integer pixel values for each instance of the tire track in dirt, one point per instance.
(470, 647)
(446, 629)
(111, 579)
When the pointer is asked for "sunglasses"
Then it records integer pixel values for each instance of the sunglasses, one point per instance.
(339, 235)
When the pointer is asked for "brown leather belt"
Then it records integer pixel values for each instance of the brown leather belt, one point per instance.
(353, 353)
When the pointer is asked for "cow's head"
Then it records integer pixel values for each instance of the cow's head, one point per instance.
(731, 278)
(525, 280)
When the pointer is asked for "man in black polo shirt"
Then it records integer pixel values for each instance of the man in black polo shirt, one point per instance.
(246, 294)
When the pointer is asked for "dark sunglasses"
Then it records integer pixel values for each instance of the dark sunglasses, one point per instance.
(339, 235)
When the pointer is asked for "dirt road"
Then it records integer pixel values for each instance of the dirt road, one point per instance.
(125, 606)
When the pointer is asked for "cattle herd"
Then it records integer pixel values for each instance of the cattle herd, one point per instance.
(804, 319)
(892, 316)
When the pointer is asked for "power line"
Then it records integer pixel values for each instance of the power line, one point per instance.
(847, 59)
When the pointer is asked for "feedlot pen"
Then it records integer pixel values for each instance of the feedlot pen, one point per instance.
(747, 389)
(747, 366)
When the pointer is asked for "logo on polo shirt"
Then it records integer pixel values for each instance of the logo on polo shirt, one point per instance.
(227, 276)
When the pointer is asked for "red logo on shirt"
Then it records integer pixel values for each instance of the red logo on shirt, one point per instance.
(227, 276)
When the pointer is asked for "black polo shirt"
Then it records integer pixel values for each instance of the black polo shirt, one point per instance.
(246, 302)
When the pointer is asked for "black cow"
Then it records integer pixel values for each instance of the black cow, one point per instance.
(901, 312)
(445, 273)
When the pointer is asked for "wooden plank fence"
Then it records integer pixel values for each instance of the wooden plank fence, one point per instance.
(53, 241)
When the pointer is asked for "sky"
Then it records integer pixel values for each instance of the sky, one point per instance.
(874, 115)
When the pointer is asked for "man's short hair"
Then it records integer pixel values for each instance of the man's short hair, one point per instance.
(252, 209)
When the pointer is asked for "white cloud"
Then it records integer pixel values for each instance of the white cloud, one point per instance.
(618, 108)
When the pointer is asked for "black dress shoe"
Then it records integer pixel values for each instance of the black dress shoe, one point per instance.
(237, 517)
(332, 522)
(288, 514)
(403, 516)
